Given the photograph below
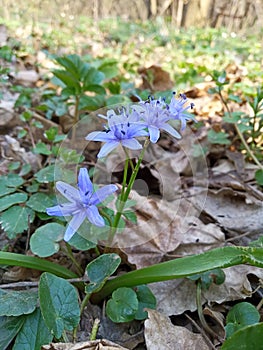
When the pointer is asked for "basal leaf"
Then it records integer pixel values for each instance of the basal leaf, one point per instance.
(220, 137)
(46, 175)
(146, 299)
(241, 315)
(15, 198)
(123, 305)
(58, 303)
(15, 220)
(247, 338)
(33, 334)
(40, 202)
(9, 327)
(100, 269)
(16, 303)
(44, 241)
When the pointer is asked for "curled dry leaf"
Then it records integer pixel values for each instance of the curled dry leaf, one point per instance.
(161, 334)
(155, 79)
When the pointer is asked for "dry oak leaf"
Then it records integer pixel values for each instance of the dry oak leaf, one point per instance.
(160, 334)
(155, 79)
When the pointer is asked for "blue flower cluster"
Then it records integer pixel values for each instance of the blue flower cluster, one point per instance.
(147, 118)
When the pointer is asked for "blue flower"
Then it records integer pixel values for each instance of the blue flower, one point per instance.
(122, 129)
(82, 203)
(155, 115)
(178, 110)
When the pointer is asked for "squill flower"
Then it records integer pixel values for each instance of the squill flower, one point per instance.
(82, 203)
(122, 129)
(155, 116)
(178, 110)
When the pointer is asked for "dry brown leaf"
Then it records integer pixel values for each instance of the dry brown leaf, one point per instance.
(237, 212)
(177, 296)
(166, 229)
(100, 344)
(160, 334)
(155, 79)
(26, 77)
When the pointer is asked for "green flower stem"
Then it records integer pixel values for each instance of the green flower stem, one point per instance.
(95, 328)
(182, 267)
(32, 262)
(125, 194)
(200, 310)
(76, 117)
(72, 258)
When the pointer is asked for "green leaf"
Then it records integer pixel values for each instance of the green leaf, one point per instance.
(33, 334)
(40, 202)
(44, 241)
(216, 276)
(16, 303)
(9, 327)
(11, 199)
(220, 138)
(15, 220)
(234, 118)
(257, 243)
(131, 216)
(51, 133)
(4, 189)
(241, 315)
(58, 303)
(14, 180)
(100, 90)
(26, 168)
(146, 299)
(123, 305)
(13, 166)
(247, 338)
(81, 243)
(93, 76)
(100, 269)
(46, 175)
(41, 148)
(259, 177)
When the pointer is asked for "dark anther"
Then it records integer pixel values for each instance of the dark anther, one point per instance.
(192, 105)
(123, 132)
(128, 124)
(86, 193)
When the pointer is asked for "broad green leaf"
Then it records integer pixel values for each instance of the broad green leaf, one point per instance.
(11, 199)
(26, 168)
(81, 243)
(220, 137)
(241, 315)
(9, 327)
(100, 90)
(93, 76)
(4, 190)
(68, 80)
(146, 299)
(44, 241)
(15, 220)
(58, 303)
(14, 180)
(33, 334)
(257, 243)
(100, 269)
(42, 148)
(123, 305)
(40, 202)
(247, 338)
(46, 175)
(13, 166)
(51, 133)
(16, 303)
(259, 177)
(131, 216)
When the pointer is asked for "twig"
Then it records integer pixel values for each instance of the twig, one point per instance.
(206, 338)
(27, 284)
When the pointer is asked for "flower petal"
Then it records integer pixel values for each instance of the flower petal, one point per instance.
(102, 194)
(68, 191)
(102, 136)
(154, 133)
(64, 209)
(131, 144)
(168, 128)
(74, 224)
(107, 148)
(84, 184)
(94, 216)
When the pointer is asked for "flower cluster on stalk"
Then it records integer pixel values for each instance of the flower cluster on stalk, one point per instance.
(147, 118)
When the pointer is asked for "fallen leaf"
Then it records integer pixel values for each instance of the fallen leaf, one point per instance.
(174, 297)
(155, 79)
(160, 334)
(100, 344)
